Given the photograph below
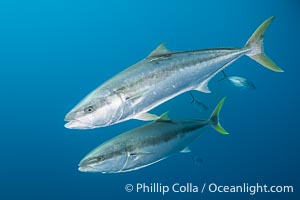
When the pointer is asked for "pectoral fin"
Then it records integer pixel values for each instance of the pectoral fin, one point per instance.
(146, 117)
(136, 95)
(137, 155)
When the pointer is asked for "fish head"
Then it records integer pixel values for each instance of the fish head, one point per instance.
(103, 161)
(98, 109)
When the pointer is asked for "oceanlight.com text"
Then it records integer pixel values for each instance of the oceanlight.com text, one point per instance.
(247, 188)
(250, 189)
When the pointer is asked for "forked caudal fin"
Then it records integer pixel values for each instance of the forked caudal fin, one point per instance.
(214, 118)
(255, 43)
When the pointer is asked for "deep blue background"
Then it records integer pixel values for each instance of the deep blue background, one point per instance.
(52, 53)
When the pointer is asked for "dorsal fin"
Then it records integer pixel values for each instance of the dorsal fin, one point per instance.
(146, 117)
(164, 116)
(159, 51)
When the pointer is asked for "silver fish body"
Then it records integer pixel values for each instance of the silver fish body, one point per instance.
(158, 78)
(147, 144)
(141, 147)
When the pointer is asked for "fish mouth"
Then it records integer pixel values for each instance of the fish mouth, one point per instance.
(75, 124)
(87, 169)
(85, 166)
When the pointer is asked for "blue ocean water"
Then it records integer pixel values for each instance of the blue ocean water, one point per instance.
(52, 53)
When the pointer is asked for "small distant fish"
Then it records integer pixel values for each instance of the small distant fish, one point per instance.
(238, 81)
(161, 76)
(201, 105)
(148, 144)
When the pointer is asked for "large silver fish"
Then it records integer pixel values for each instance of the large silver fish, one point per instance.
(147, 144)
(158, 78)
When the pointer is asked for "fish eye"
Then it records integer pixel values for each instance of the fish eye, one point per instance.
(100, 158)
(89, 109)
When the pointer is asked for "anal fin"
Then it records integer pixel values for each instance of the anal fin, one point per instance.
(185, 150)
(203, 87)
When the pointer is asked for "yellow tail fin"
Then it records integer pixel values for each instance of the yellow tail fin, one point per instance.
(215, 118)
(255, 43)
